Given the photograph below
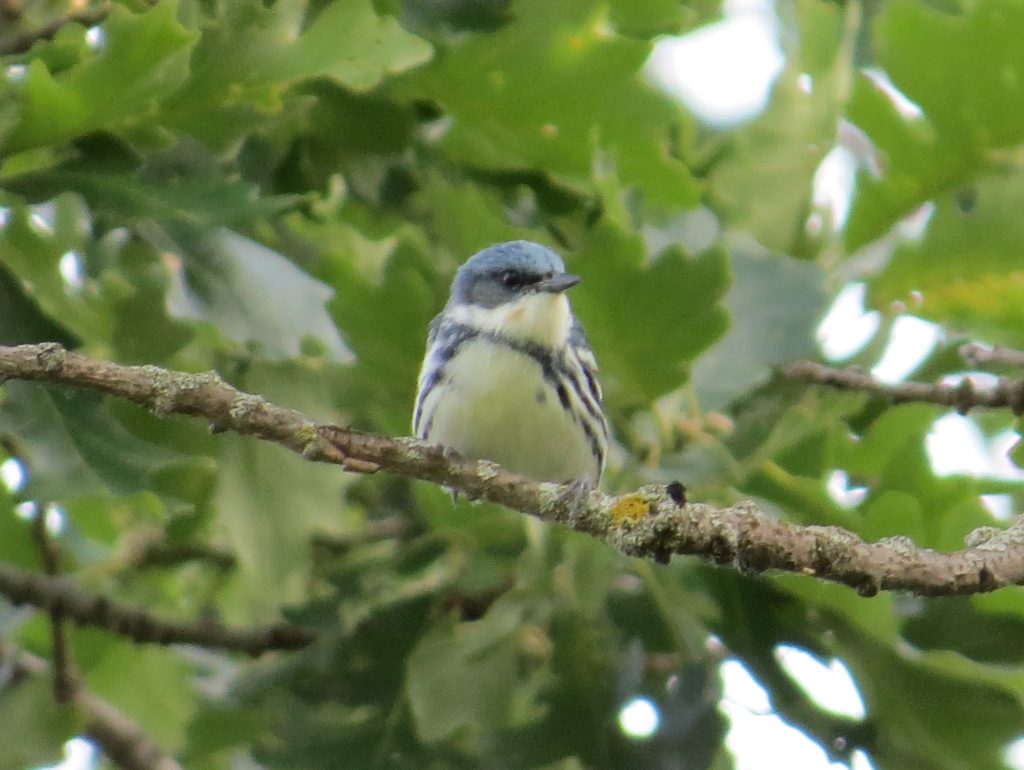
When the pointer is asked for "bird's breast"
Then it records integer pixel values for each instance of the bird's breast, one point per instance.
(495, 403)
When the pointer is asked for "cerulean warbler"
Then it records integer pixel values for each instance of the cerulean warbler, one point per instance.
(508, 374)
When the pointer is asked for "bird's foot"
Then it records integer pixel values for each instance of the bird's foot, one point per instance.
(576, 494)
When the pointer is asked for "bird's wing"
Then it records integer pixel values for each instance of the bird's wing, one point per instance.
(581, 345)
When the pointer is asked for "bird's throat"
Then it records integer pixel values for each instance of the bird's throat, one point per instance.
(541, 318)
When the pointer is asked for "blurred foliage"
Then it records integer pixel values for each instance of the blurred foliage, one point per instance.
(282, 190)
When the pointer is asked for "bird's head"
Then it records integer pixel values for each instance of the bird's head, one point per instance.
(516, 289)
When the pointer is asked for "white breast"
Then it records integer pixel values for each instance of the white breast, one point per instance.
(494, 404)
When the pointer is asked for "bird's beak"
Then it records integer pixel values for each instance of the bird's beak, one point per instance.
(557, 283)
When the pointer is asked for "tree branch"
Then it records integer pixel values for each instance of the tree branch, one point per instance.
(652, 522)
(963, 397)
(85, 608)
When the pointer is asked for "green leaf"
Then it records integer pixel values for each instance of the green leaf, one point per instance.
(647, 19)
(916, 716)
(359, 135)
(944, 63)
(934, 711)
(64, 50)
(460, 675)
(892, 458)
(73, 446)
(32, 246)
(763, 186)
(345, 696)
(966, 270)
(225, 279)
(555, 89)
(32, 727)
(183, 183)
(384, 314)
(351, 44)
(221, 730)
(16, 545)
(960, 623)
(893, 513)
(22, 320)
(144, 58)
(939, 61)
(270, 502)
(469, 217)
(774, 307)
(244, 65)
(821, 603)
(149, 682)
(647, 321)
(448, 19)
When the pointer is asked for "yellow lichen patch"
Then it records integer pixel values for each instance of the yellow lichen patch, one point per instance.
(630, 508)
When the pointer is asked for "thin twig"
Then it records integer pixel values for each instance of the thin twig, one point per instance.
(16, 665)
(173, 554)
(390, 528)
(117, 736)
(979, 355)
(649, 523)
(64, 676)
(25, 41)
(1005, 394)
(474, 605)
(149, 550)
(86, 608)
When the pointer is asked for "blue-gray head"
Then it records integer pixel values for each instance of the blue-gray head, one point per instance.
(506, 272)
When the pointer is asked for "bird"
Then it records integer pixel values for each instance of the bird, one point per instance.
(509, 375)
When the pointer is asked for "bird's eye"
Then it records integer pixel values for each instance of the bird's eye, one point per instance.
(510, 279)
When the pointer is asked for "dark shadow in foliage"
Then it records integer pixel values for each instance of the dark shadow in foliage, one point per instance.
(956, 623)
(432, 18)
